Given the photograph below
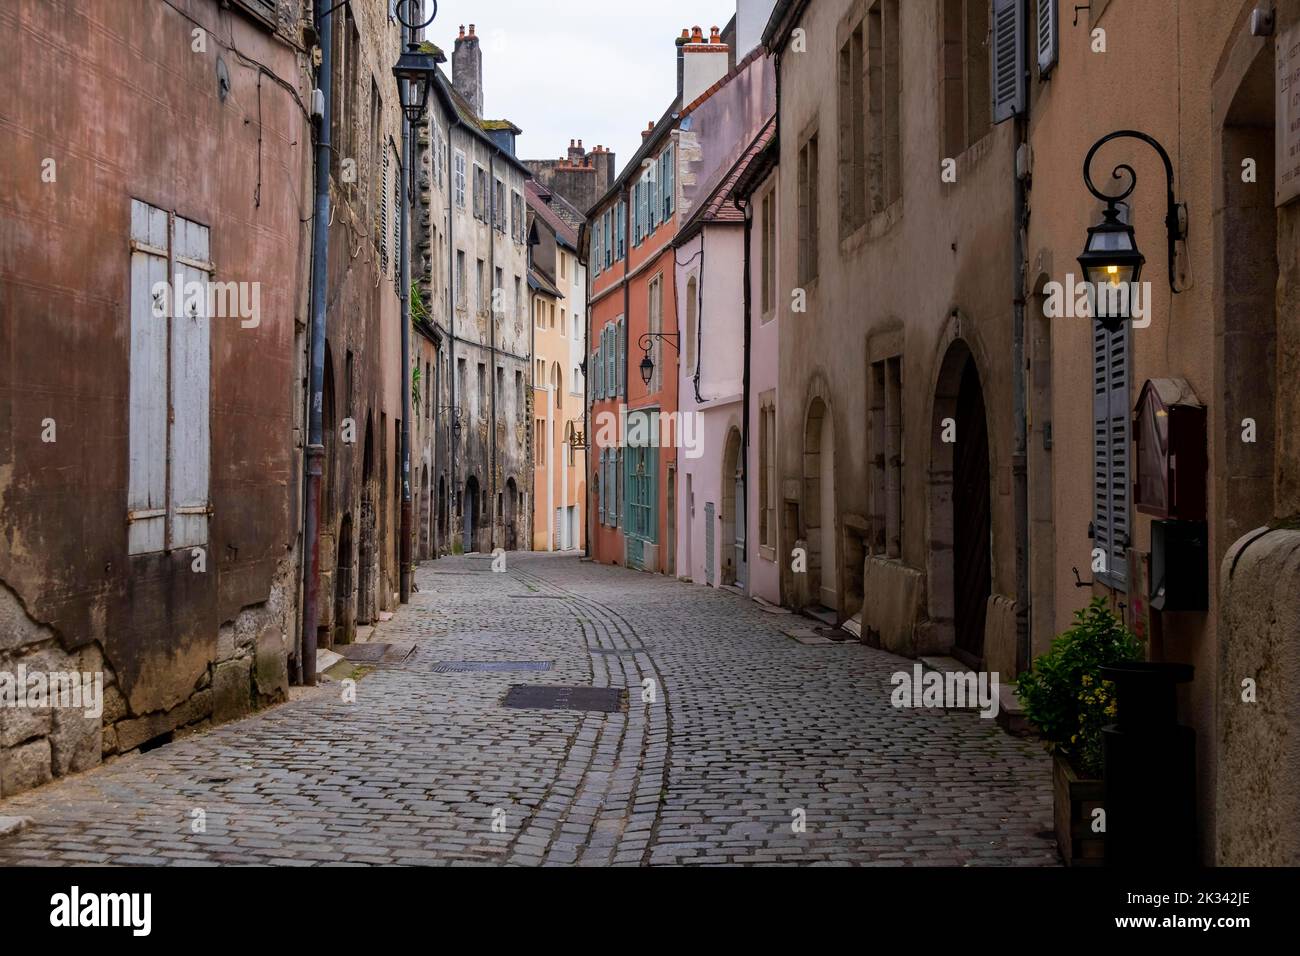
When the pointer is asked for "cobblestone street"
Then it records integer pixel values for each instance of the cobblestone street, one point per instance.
(749, 733)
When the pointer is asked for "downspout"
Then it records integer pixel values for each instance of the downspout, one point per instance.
(492, 330)
(743, 507)
(403, 245)
(1019, 455)
(453, 121)
(314, 455)
(587, 372)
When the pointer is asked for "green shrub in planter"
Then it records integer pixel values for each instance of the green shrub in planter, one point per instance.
(1064, 695)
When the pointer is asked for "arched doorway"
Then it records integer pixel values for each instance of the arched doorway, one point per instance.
(368, 559)
(470, 509)
(441, 541)
(732, 545)
(344, 616)
(425, 514)
(819, 505)
(511, 504)
(960, 557)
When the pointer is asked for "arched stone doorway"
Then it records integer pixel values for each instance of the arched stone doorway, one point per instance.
(470, 510)
(424, 514)
(819, 505)
(368, 559)
(960, 558)
(511, 506)
(443, 506)
(732, 543)
(344, 609)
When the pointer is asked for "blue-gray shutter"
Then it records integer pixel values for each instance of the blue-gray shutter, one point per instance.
(190, 392)
(620, 361)
(146, 498)
(1110, 407)
(709, 534)
(1007, 61)
(600, 486)
(1048, 36)
(670, 180)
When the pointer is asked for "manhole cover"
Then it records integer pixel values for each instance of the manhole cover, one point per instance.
(607, 700)
(457, 667)
(375, 653)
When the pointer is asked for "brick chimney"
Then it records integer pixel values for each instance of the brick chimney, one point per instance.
(467, 69)
(704, 62)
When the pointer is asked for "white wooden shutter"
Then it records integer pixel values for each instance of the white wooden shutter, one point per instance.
(1111, 471)
(1048, 36)
(1008, 59)
(190, 390)
(146, 500)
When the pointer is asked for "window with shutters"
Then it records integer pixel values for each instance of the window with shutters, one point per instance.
(692, 319)
(399, 209)
(1047, 39)
(853, 134)
(964, 86)
(1111, 422)
(886, 462)
(767, 474)
(767, 267)
(1010, 67)
(382, 217)
(480, 193)
(460, 279)
(170, 381)
(459, 180)
(499, 205)
(808, 212)
(622, 230)
(611, 368)
(884, 103)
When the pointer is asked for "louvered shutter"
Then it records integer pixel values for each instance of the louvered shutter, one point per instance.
(1110, 409)
(190, 383)
(597, 375)
(620, 362)
(600, 486)
(146, 500)
(1048, 39)
(670, 180)
(382, 225)
(1008, 59)
(655, 207)
(622, 230)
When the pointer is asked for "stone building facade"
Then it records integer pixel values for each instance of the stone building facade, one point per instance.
(895, 464)
(470, 263)
(581, 176)
(149, 467)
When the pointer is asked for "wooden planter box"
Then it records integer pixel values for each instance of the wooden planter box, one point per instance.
(1074, 799)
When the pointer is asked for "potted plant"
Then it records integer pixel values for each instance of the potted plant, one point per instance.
(1068, 701)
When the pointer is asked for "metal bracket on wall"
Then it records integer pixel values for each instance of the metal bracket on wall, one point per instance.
(1086, 6)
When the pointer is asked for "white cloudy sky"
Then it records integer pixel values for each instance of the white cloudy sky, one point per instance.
(598, 70)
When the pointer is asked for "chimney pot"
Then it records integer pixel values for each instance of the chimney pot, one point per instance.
(471, 29)
(697, 35)
(714, 37)
(462, 31)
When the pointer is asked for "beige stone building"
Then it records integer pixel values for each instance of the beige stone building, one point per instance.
(1207, 90)
(896, 303)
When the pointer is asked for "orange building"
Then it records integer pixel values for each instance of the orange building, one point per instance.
(633, 355)
(557, 284)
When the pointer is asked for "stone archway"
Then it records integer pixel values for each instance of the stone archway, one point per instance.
(959, 561)
(344, 608)
(731, 543)
(819, 505)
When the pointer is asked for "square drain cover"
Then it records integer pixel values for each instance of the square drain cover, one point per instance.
(607, 700)
(459, 667)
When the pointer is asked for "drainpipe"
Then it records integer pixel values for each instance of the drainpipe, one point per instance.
(586, 396)
(314, 455)
(1019, 454)
(743, 507)
(453, 121)
(403, 245)
(492, 331)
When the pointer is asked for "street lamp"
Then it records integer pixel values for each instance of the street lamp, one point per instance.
(1111, 259)
(414, 72)
(647, 363)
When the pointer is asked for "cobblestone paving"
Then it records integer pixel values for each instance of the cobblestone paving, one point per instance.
(748, 733)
